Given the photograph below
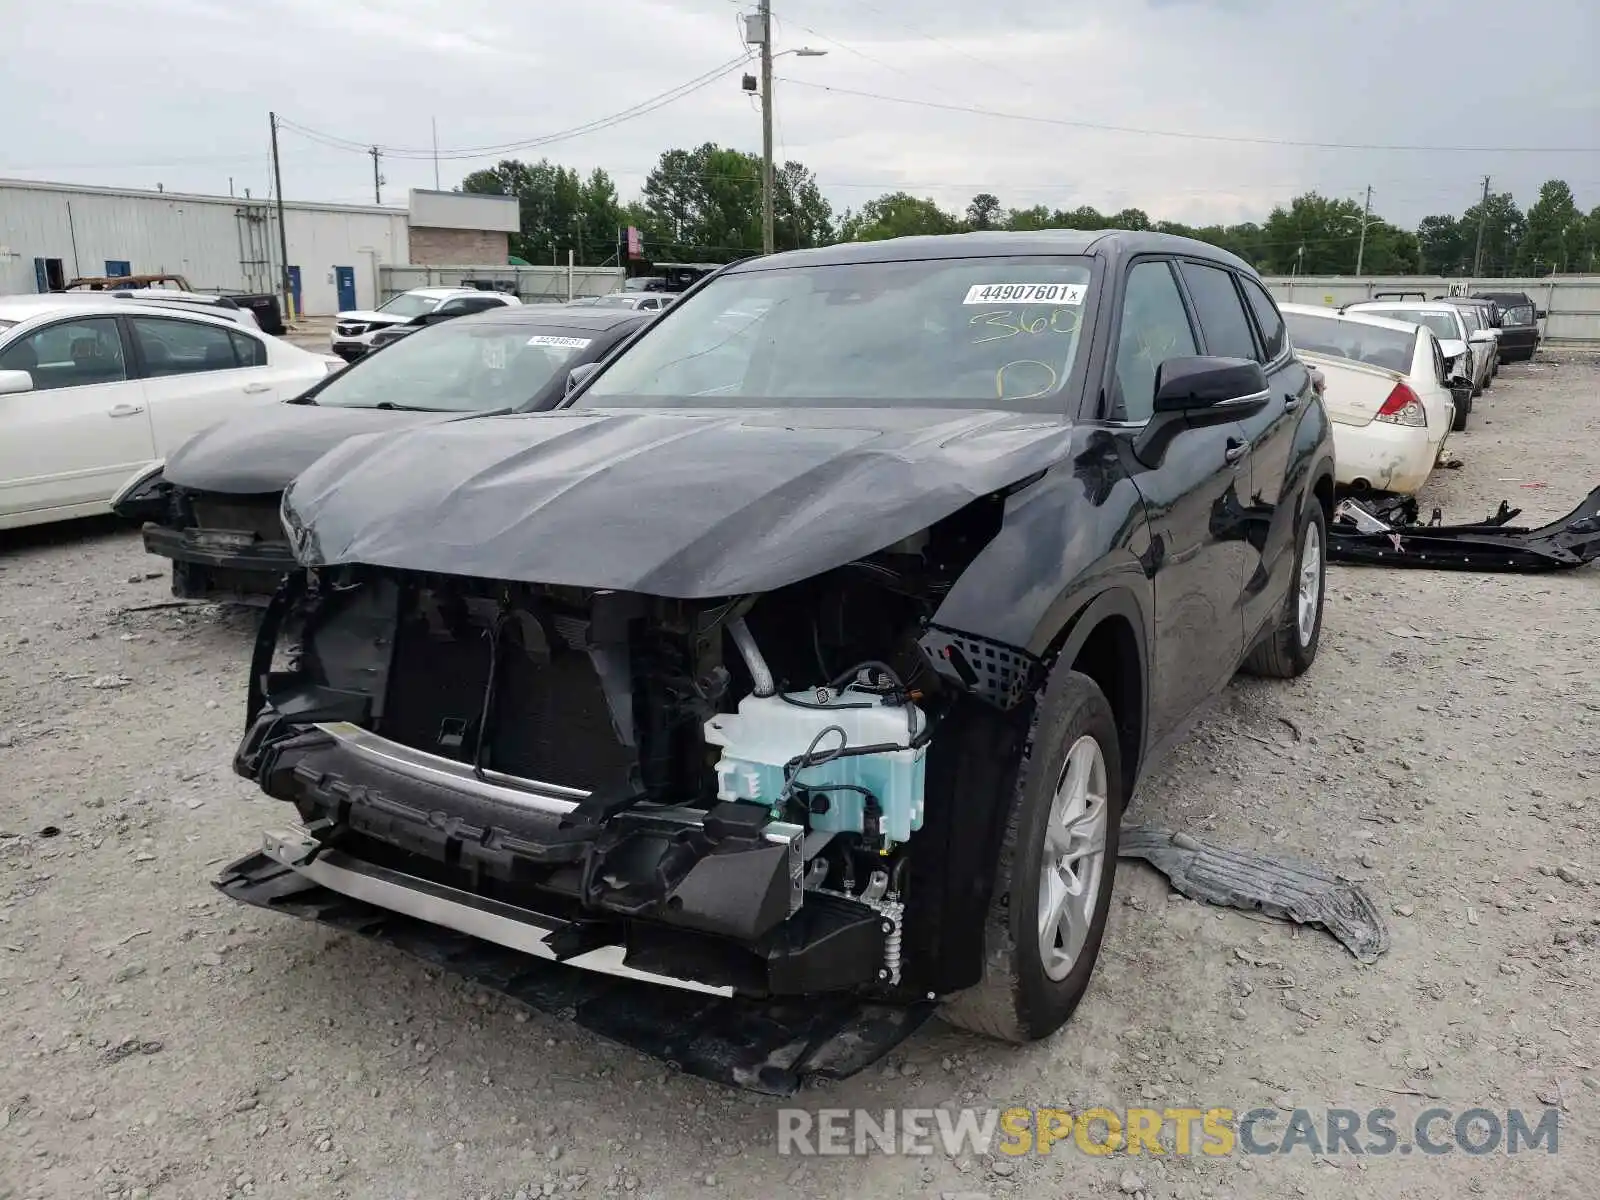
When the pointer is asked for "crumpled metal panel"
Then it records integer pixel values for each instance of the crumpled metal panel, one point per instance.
(685, 504)
(1279, 887)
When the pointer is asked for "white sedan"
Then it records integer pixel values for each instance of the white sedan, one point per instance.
(93, 391)
(1386, 391)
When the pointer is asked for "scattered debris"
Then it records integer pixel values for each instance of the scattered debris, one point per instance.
(1389, 533)
(50, 831)
(1277, 887)
(108, 682)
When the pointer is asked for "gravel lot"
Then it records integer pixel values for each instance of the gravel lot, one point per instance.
(159, 1041)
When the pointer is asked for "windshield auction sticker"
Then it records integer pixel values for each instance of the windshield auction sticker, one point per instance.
(1025, 293)
(558, 343)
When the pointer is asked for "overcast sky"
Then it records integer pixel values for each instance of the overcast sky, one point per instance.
(135, 92)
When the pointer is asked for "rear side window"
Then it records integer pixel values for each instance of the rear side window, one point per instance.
(1216, 302)
(174, 347)
(1268, 320)
(248, 351)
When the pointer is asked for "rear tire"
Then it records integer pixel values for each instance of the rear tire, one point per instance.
(1292, 647)
(1022, 996)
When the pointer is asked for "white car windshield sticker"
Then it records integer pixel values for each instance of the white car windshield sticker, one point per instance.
(559, 343)
(1025, 293)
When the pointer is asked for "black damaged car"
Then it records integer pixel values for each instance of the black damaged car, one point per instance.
(212, 508)
(799, 669)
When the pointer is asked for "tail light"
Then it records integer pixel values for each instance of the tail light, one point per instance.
(1403, 407)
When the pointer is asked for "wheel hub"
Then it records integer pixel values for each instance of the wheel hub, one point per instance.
(1074, 858)
(1310, 588)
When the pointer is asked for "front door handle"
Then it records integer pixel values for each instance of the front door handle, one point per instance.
(255, 389)
(1236, 449)
(1291, 401)
(125, 410)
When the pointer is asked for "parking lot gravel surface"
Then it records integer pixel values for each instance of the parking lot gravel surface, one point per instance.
(158, 1041)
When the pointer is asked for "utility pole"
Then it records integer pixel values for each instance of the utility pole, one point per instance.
(766, 127)
(1483, 215)
(1361, 246)
(435, 121)
(283, 235)
(377, 179)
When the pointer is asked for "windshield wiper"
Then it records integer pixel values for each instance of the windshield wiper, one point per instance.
(390, 404)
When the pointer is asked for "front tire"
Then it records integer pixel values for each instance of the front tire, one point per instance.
(1291, 648)
(1055, 871)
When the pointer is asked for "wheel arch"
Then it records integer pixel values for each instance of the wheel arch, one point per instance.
(972, 779)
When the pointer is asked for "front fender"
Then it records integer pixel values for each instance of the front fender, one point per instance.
(1078, 531)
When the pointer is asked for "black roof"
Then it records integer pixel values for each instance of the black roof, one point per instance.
(555, 316)
(1099, 243)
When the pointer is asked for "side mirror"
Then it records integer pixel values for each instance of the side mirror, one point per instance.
(1201, 390)
(1539, 314)
(12, 382)
(1197, 384)
(579, 375)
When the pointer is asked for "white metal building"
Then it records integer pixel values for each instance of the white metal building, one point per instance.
(52, 232)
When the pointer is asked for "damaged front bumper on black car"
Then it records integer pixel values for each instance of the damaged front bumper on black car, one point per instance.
(773, 978)
(222, 546)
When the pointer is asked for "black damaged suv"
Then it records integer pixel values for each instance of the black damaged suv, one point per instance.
(808, 656)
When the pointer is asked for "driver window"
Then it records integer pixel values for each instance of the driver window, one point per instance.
(1154, 328)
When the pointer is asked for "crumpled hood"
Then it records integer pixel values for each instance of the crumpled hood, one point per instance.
(262, 450)
(675, 503)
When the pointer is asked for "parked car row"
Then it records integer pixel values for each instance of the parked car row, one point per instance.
(212, 506)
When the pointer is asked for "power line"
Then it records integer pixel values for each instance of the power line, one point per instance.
(660, 100)
(1242, 139)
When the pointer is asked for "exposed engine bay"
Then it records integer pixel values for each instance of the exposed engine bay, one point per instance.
(730, 790)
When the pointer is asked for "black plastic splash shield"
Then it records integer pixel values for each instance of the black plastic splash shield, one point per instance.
(761, 1046)
(1489, 545)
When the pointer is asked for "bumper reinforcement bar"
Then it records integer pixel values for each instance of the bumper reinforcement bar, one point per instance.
(769, 1046)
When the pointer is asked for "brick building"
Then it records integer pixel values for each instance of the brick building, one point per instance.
(460, 228)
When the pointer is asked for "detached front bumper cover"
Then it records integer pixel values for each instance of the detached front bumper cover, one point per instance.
(1390, 535)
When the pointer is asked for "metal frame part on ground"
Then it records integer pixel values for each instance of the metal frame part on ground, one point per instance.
(1390, 535)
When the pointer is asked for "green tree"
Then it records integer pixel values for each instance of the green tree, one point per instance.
(1588, 256)
(1130, 218)
(559, 209)
(1554, 231)
(706, 203)
(801, 216)
(1503, 225)
(897, 214)
(1315, 235)
(984, 212)
(1443, 246)
(1037, 217)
